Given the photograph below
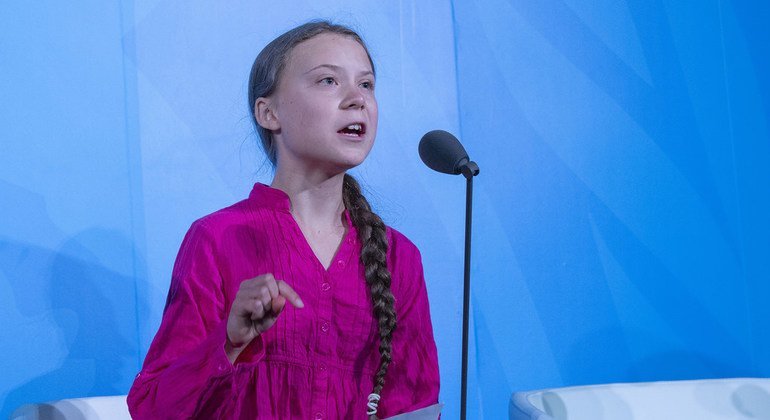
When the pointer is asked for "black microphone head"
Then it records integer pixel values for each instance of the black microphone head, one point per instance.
(442, 152)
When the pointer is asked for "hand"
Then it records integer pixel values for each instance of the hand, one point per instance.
(257, 305)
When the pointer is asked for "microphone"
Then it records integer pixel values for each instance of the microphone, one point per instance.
(442, 152)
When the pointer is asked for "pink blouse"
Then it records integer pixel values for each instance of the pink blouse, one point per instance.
(313, 363)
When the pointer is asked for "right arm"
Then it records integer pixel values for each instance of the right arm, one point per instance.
(192, 363)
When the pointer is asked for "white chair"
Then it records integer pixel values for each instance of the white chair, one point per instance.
(93, 408)
(712, 399)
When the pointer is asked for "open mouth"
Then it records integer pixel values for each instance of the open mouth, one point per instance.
(354, 130)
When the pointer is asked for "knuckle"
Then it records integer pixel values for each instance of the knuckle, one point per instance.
(265, 279)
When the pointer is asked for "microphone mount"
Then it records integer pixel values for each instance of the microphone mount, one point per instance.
(469, 169)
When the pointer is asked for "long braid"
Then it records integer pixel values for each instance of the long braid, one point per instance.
(374, 248)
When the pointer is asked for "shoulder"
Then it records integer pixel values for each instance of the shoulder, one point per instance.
(221, 220)
(397, 240)
(206, 244)
(402, 252)
(208, 233)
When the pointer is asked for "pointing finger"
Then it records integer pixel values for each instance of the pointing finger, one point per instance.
(290, 294)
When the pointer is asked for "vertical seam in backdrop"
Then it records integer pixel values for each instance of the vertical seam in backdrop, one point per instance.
(457, 69)
(740, 239)
(134, 178)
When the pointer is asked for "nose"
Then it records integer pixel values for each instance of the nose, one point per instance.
(353, 99)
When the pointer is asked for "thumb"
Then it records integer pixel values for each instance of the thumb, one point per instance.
(277, 304)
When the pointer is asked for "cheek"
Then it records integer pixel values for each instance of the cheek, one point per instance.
(373, 113)
(308, 113)
(295, 117)
(374, 120)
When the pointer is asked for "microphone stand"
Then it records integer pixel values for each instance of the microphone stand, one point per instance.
(469, 170)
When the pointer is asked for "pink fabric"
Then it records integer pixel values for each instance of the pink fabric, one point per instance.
(314, 363)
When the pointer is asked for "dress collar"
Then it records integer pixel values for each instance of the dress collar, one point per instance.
(266, 196)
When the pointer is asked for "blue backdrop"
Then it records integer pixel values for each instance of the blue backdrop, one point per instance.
(622, 217)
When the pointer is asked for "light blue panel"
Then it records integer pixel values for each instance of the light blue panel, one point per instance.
(134, 124)
(68, 257)
(623, 205)
(751, 121)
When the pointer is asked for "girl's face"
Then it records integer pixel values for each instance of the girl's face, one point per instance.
(323, 114)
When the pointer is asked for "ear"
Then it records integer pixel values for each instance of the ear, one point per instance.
(265, 114)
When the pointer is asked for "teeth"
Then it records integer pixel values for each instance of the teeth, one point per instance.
(356, 127)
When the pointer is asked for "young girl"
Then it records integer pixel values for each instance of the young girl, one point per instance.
(297, 302)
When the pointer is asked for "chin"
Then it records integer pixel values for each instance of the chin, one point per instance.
(346, 166)
(353, 158)
(343, 165)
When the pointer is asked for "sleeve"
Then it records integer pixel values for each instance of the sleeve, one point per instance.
(412, 381)
(186, 372)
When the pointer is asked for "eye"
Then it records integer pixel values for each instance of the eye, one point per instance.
(369, 85)
(328, 81)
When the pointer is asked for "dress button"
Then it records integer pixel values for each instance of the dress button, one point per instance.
(322, 367)
(325, 286)
(325, 327)
(340, 264)
(319, 416)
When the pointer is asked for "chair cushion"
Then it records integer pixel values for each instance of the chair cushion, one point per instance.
(93, 408)
(713, 399)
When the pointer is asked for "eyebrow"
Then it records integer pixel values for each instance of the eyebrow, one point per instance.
(337, 68)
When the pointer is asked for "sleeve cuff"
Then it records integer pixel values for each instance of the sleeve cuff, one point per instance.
(252, 354)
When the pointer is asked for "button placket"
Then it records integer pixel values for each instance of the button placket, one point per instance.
(323, 349)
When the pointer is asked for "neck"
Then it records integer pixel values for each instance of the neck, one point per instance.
(316, 201)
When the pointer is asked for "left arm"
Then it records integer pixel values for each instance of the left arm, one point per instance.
(412, 381)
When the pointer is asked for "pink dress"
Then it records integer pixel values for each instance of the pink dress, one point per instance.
(314, 363)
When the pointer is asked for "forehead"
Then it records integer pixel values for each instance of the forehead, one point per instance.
(339, 50)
